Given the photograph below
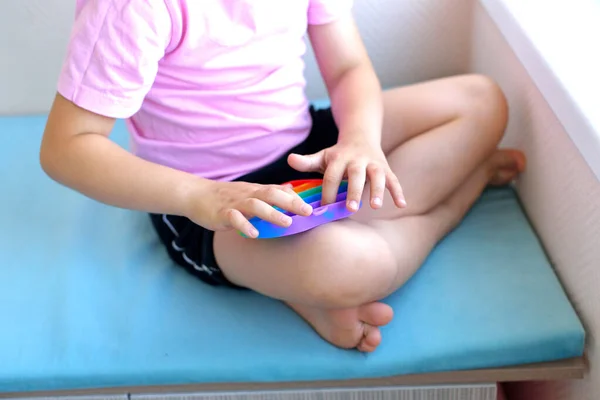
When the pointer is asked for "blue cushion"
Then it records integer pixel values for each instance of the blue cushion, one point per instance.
(88, 298)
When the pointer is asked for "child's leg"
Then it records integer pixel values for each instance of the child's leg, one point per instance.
(436, 134)
(331, 275)
(464, 119)
(410, 239)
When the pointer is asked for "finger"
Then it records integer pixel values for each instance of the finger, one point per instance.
(356, 185)
(377, 181)
(264, 211)
(284, 198)
(395, 189)
(310, 163)
(237, 221)
(331, 181)
(289, 189)
(297, 205)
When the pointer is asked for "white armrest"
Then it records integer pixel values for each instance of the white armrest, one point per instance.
(558, 42)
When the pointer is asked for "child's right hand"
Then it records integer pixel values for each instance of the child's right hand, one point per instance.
(229, 205)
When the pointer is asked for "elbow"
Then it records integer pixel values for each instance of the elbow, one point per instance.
(47, 162)
(49, 159)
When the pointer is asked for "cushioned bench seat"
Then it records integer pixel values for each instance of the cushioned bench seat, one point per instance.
(88, 299)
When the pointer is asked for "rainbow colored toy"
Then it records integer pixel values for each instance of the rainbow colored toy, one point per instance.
(310, 191)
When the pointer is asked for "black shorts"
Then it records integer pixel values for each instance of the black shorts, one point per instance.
(191, 246)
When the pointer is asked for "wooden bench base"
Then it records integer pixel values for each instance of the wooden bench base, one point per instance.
(573, 368)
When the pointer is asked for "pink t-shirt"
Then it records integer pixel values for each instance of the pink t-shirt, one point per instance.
(211, 87)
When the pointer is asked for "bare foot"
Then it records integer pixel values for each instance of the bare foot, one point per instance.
(499, 170)
(351, 327)
(505, 165)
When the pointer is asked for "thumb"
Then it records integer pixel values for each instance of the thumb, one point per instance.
(310, 163)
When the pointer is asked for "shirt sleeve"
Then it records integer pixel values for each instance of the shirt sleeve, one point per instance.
(325, 11)
(113, 55)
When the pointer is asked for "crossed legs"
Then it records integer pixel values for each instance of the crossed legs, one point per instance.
(441, 140)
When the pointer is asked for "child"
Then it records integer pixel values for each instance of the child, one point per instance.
(213, 95)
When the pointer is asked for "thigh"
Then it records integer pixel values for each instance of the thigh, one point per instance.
(341, 264)
(435, 135)
(415, 109)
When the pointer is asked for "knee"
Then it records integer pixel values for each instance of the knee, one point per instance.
(483, 99)
(347, 268)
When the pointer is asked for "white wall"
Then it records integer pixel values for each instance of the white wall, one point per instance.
(428, 38)
(33, 34)
(560, 193)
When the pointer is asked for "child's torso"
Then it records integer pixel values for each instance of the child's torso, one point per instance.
(228, 96)
(231, 87)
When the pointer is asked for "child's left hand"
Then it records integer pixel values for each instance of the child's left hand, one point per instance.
(357, 162)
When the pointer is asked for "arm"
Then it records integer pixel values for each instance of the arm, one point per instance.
(354, 89)
(357, 105)
(111, 64)
(77, 153)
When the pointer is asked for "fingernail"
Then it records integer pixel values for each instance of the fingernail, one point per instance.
(306, 209)
(286, 219)
(253, 233)
(403, 202)
(377, 201)
(353, 205)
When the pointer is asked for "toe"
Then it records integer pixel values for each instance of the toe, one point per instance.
(503, 177)
(510, 159)
(371, 339)
(372, 316)
(520, 160)
(376, 314)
